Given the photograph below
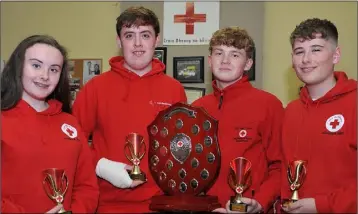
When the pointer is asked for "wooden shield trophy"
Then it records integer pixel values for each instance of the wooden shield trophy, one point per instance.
(184, 158)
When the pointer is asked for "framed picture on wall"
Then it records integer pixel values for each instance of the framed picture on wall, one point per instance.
(193, 93)
(91, 68)
(251, 72)
(189, 69)
(161, 54)
(80, 72)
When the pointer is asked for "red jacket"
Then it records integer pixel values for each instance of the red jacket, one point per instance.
(324, 133)
(33, 141)
(111, 106)
(249, 126)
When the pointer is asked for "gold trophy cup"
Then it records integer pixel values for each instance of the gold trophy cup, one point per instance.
(55, 184)
(296, 174)
(134, 149)
(239, 180)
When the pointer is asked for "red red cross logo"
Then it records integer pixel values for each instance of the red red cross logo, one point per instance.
(180, 144)
(239, 189)
(59, 198)
(69, 131)
(136, 161)
(243, 133)
(334, 124)
(189, 18)
(293, 186)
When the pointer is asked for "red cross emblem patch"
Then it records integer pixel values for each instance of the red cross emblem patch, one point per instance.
(180, 144)
(136, 161)
(59, 198)
(69, 130)
(239, 189)
(335, 123)
(242, 133)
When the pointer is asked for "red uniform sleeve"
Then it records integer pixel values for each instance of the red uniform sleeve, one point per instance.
(85, 110)
(271, 140)
(285, 188)
(85, 192)
(7, 206)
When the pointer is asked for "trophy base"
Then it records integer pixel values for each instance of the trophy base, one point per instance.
(286, 202)
(283, 203)
(234, 206)
(188, 203)
(141, 176)
(65, 212)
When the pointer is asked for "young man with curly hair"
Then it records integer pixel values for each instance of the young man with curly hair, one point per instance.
(249, 121)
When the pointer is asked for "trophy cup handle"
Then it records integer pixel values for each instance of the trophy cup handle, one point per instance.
(64, 176)
(231, 181)
(298, 169)
(131, 151)
(52, 185)
(289, 176)
(145, 148)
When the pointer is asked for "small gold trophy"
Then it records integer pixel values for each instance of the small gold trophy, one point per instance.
(296, 174)
(55, 184)
(134, 150)
(239, 180)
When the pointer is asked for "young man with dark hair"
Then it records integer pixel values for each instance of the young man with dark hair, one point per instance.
(249, 121)
(320, 127)
(124, 100)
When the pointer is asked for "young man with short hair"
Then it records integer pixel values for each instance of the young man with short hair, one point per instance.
(249, 121)
(320, 127)
(123, 100)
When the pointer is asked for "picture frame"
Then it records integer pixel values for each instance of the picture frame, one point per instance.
(194, 93)
(189, 69)
(161, 54)
(252, 72)
(80, 72)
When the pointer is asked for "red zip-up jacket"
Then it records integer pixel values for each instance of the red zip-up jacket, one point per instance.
(324, 133)
(34, 141)
(249, 126)
(111, 106)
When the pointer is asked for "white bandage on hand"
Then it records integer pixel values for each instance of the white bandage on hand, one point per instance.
(114, 172)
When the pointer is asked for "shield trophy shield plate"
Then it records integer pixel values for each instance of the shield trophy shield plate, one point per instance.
(184, 158)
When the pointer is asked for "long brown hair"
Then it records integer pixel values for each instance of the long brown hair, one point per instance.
(11, 84)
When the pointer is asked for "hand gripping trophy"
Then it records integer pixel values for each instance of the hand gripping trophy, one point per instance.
(55, 184)
(296, 174)
(239, 180)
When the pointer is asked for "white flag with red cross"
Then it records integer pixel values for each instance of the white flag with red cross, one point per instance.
(190, 23)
